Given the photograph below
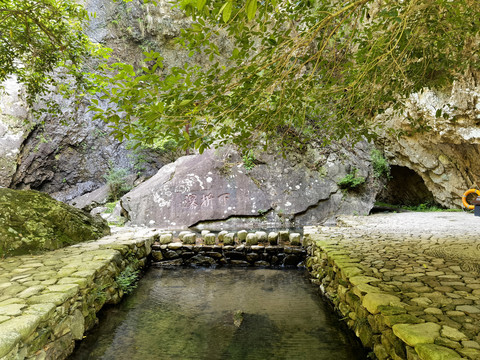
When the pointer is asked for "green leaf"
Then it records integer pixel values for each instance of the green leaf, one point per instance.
(251, 9)
(198, 143)
(227, 11)
(201, 4)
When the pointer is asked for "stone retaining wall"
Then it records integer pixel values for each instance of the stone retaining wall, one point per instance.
(375, 311)
(260, 249)
(48, 301)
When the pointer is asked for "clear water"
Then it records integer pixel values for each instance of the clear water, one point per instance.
(189, 314)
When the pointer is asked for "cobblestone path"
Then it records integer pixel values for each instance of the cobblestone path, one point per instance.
(431, 261)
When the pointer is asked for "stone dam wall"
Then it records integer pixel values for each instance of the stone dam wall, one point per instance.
(260, 249)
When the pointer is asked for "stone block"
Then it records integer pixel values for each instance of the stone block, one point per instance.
(221, 235)
(229, 239)
(261, 236)
(452, 333)
(251, 239)
(242, 235)
(283, 236)
(209, 239)
(273, 238)
(181, 234)
(372, 301)
(157, 255)
(436, 352)
(166, 238)
(295, 239)
(189, 238)
(414, 334)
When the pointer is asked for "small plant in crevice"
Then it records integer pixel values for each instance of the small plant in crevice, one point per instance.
(381, 167)
(110, 207)
(248, 160)
(127, 279)
(117, 182)
(99, 294)
(351, 181)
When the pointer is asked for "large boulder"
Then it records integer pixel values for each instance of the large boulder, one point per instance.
(31, 221)
(216, 191)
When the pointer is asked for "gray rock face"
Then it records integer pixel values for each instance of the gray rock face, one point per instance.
(215, 191)
(13, 114)
(446, 155)
(71, 160)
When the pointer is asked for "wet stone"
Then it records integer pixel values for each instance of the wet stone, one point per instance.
(235, 255)
(251, 257)
(11, 309)
(241, 263)
(436, 352)
(469, 309)
(291, 260)
(252, 239)
(170, 254)
(417, 333)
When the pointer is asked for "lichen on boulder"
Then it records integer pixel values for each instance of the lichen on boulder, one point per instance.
(31, 221)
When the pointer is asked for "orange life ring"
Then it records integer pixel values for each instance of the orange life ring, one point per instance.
(464, 198)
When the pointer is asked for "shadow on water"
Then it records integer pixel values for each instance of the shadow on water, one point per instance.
(220, 314)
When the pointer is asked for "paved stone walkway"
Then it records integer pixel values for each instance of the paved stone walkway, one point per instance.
(431, 261)
(47, 301)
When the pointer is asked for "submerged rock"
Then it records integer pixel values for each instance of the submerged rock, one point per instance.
(238, 318)
(31, 221)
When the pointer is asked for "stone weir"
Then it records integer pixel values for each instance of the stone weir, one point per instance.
(260, 249)
(48, 301)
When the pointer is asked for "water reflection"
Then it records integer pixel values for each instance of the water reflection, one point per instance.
(189, 314)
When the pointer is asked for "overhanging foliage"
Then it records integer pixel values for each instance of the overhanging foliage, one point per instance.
(37, 36)
(303, 71)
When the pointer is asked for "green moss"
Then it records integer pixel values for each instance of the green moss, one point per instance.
(351, 181)
(31, 222)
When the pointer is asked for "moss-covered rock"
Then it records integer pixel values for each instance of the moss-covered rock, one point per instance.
(31, 222)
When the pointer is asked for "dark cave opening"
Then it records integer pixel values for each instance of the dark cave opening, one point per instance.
(404, 188)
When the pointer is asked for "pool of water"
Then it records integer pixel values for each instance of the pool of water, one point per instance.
(213, 314)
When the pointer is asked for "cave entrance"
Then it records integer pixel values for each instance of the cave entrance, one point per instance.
(405, 188)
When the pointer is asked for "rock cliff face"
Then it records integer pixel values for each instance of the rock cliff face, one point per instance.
(70, 160)
(215, 190)
(446, 155)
